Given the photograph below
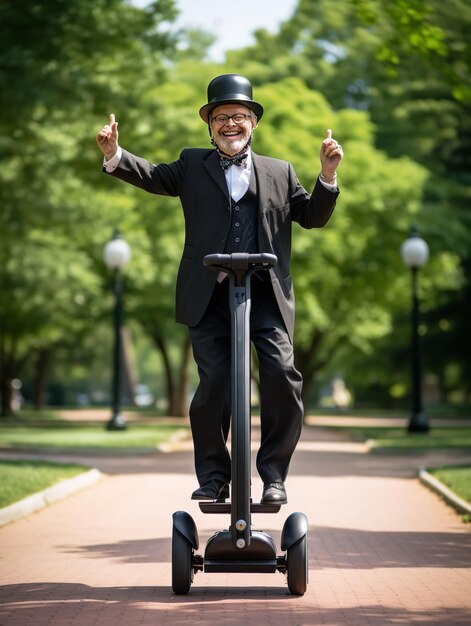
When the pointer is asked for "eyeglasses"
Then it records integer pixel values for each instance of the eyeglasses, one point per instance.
(238, 118)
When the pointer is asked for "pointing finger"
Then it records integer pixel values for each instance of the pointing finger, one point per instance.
(112, 119)
(329, 133)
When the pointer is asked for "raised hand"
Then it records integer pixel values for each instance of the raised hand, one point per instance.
(331, 155)
(107, 138)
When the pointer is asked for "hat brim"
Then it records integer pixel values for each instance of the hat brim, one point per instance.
(207, 108)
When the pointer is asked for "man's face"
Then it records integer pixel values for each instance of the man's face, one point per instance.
(231, 136)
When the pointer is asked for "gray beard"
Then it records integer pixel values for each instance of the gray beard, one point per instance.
(234, 146)
(241, 145)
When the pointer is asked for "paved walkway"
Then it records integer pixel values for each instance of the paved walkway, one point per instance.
(383, 549)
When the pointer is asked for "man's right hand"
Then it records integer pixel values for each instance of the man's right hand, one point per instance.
(107, 138)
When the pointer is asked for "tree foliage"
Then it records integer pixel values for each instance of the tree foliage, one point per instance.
(62, 64)
(407, 64)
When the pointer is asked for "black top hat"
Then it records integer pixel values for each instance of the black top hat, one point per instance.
(230, 89)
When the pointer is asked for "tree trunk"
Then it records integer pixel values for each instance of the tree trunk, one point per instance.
(306, 362)
(181, 404)
(40, 381)
(309, 364)
(177, 386)
(169, 382)
(6, 391)
(179, 399)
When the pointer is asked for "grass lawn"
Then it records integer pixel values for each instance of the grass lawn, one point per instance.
(400, 440)
(75, 435)
(20, 479)
(457, 478)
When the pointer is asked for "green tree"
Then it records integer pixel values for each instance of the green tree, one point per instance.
(426, 54)
(408, 65)
(62, 63)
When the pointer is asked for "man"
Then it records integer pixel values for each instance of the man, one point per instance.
(236, 201)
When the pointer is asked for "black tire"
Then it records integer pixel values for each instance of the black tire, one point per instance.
(297, 567)
(182, 569)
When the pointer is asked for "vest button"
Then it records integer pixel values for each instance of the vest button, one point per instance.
(237, 224)
(237, 239)
(236, 208)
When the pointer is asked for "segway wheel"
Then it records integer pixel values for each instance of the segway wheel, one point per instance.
(182, 568)
(297, 567)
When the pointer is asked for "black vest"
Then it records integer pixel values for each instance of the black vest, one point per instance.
(243, 233)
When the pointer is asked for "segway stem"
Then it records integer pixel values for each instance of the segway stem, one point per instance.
(240, 433)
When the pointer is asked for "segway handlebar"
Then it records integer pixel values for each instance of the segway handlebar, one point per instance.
(240, 261)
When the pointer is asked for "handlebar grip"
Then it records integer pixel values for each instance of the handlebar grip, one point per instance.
(240, 260)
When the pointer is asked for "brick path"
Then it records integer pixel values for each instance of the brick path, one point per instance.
(383, 549)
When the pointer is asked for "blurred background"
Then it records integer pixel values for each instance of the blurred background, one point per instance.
(391, 78)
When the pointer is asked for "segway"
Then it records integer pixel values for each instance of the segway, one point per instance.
(240, 549)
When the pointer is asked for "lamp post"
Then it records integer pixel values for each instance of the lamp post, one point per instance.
(117, 254)
(414, 252)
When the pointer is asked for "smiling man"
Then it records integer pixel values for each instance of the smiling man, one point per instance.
(236, 201)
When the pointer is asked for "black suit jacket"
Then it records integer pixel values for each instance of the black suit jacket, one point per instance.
(197, 178)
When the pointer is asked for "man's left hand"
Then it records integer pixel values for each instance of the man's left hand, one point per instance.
(331, 155)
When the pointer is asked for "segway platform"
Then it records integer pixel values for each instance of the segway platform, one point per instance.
(225, 507)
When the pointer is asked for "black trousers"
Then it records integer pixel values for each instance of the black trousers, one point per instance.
(281, 408)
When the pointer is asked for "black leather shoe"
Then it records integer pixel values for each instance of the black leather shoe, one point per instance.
(212, 490)
(274, 493)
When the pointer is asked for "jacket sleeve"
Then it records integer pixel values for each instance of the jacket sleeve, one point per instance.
(310, 210)
(163, 179)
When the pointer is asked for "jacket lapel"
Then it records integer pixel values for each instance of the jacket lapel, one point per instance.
(264, 181)
(265, 184)
(214, 169)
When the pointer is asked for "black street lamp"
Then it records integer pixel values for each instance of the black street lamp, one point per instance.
(117, 254)
(414, 252)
